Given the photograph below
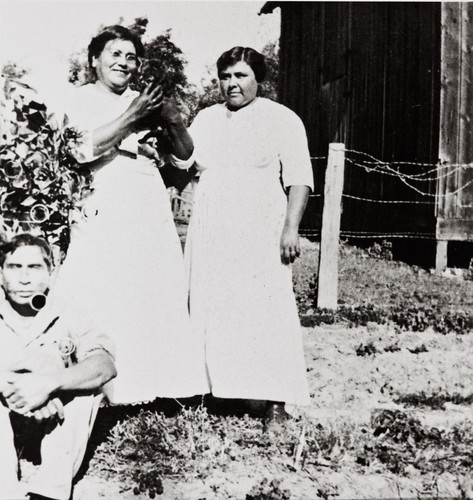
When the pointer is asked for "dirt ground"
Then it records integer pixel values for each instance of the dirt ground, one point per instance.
(345, 389)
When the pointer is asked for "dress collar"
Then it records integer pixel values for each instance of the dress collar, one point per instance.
(104, 89)
(240, 111)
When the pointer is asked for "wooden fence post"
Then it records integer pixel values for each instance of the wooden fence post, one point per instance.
(327, 289)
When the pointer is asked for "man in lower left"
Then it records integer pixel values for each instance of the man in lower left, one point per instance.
(53, 366)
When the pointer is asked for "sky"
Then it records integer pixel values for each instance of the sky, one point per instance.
(41, 35)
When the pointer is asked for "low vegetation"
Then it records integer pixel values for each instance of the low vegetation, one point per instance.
(373, 288)
(152, 449)
(149, 448)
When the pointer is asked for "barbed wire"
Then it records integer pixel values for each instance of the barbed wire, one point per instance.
(402, 177)
(370, 200)
(395, 173)
(443, 170)
(438, 195)
(373, 234)
(379, 234)
(376, 160)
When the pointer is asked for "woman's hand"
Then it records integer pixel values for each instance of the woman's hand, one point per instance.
(149, 102)
(290, 247)
(170, 113)
(148, 148)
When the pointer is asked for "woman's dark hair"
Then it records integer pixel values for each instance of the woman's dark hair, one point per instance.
(115, 32)
(254, 59)
(27, 240)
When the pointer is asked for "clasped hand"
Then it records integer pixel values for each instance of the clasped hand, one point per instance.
(29, 394)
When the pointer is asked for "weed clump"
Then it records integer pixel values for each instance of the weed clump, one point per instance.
(268, 490)
(382, 250)
(399, 440)
(434, 401)
(404, 318)
(149, 446)
(366, 349)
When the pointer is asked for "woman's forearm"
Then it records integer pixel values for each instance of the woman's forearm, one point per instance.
(297, 202)
(181, 140)
(111, 134)
(290, 247)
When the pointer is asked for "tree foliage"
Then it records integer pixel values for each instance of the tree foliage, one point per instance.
(13, 71)
(269, 87)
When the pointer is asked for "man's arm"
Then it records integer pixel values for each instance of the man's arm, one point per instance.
(25, 392)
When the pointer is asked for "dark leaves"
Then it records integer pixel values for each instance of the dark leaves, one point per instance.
(40, 181)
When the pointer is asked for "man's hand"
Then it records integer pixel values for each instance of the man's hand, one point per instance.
(27, 392)
(53, 408)
(3, 381)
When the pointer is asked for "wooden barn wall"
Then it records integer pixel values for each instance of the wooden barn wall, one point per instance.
(455, 208)
(367, 74)
(298, 88)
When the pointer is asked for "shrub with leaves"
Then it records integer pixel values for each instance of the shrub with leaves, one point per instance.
(150, 446)
(381, 250)
(399, 440)
(40, 180)
(268, 490)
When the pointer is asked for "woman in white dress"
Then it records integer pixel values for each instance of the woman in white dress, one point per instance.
(124, 266)
(255, 178)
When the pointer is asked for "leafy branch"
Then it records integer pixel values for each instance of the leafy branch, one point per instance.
(40, 180)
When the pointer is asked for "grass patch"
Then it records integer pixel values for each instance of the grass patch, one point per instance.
(433, 401)
(399, 440)
(373, 288)
(150, 446)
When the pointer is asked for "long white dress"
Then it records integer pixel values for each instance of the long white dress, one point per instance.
(125, 267)
(241, 295)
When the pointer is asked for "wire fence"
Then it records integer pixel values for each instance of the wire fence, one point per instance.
(420, 179)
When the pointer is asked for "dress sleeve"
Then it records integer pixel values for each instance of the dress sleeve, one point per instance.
(294, 151)
(76, 111)
(182, 164)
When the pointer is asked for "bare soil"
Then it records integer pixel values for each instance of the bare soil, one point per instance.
(345, 389)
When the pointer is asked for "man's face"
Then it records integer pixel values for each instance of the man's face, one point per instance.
(25, 274)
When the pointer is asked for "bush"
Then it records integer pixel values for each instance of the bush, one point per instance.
(40, 181)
